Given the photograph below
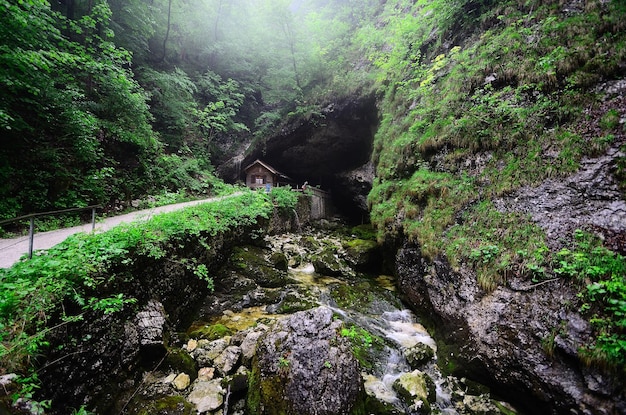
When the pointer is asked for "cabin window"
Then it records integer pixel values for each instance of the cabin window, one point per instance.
(260, 179)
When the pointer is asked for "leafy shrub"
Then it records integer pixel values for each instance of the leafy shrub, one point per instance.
(284, 198)
(603, 273)
(32, 291)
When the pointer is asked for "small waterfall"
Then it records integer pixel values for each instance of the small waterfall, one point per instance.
(297, 220)
(400, 329)
(237, 160)
(225, 412)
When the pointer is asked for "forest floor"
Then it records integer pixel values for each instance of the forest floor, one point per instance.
(11, 250)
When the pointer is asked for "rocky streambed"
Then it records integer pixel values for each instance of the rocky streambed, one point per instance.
(299, 324)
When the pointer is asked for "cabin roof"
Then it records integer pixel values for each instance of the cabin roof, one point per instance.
(266, 166)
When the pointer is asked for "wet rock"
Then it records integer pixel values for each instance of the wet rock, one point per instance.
(250, 261)
(279, 260)
(248, 346)
(226, 362)
(303, 366)
(178, 360)
(207, 395)
(149, 324)
(590, 197)
(181, 382)
(479, 405)
(292, 300)
(363, 254)
(500, 337)
(328, 263)
(380, 399)
(294, 254)
(419, 355)
(207, 352)
(260, 296)
(417, 390)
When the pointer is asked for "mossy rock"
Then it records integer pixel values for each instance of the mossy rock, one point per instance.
(370, 405)
(362, 253)
(358, 297)
(418, 355)
(251, 262)
(327, 263)
(212, 332)
(178, 360)
(266, 389)
(279, 260)
(417, 390)
(310, 243)
(294, 301)
(365, 231)
(169, 405)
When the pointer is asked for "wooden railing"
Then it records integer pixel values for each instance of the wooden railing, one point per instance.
(32, 216)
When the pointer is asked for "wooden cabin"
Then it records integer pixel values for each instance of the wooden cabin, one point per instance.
(262, 175)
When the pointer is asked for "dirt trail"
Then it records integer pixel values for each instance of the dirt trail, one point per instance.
(11, 250)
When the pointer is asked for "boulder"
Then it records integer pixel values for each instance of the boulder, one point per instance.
(207, 395)
(328, 263)
(418, 355)
(206, 353)
(417, 390)
(304, 367)
(227, 361)
(363, 254)
(251, 262)
(181, 382)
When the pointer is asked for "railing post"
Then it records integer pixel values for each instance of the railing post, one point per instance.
(31, 236)
(93, 219)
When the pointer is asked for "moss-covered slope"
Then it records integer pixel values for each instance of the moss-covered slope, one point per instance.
(481, 99)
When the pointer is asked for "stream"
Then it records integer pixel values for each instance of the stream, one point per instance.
(293, 273)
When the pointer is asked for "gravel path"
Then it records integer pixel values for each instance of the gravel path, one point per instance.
(11, 250)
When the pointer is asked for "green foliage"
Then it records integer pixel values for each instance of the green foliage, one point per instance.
(284, 198)
(32, 292)
(603, 276)
(358, 336)
(469, 118)
(67, 100)
(496, 244)
(28, 385)
(362, 343)
(283, 363)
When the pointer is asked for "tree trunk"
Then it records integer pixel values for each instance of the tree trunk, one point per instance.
(167, 33)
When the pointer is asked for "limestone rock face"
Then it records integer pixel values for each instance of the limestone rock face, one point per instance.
(304, 367)
(149, 325)
(331, 148)
(499, 335)
(589, 198)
